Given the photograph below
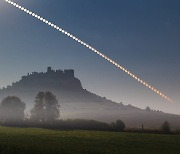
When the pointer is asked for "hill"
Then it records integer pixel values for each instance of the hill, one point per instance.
(78, 103)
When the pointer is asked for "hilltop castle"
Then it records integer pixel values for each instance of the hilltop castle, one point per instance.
(51, 79)
(50, 72)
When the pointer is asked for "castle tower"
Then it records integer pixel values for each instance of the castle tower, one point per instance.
(49, 70)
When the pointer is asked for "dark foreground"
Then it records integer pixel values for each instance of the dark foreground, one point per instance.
(35, 140)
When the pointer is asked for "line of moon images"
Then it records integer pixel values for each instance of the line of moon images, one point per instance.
(91, 48)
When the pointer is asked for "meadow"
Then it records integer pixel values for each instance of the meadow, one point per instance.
(42, 141)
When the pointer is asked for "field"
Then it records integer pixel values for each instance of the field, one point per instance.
(36, 140)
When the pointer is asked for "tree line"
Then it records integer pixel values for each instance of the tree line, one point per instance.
(46, 113)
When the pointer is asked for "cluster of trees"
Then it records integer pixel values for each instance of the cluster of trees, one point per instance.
(46, 109)
(149, 109)
(77, 124)
(46, 113)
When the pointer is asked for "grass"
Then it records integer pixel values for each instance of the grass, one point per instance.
(42, 141)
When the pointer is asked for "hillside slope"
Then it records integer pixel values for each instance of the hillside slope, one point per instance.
(77, 102)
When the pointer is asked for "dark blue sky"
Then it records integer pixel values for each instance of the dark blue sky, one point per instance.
(141, 35)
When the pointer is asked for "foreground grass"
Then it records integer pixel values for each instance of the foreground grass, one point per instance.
(35, 140)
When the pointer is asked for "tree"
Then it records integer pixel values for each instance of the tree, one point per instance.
(148, 108)
(37, 113)
(51, 107)
(166, 127)
(12, 110)
(46, 107)
(119, 125)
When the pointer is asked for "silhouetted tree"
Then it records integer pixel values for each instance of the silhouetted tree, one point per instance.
(142, 127)
(37, 113)
(12, 110)
(51, 107)
(148, 108)
(166, 127)
(118, 126)
(46, 107)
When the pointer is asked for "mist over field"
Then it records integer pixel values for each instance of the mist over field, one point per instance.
(78, 103)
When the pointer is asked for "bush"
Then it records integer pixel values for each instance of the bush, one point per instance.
(165, 127)
(118, 126)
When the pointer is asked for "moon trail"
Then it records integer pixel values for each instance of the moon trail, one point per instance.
(91, 48)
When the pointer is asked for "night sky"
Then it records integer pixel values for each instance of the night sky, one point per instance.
(141, 35)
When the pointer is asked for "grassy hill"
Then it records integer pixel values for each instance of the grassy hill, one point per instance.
(35, 140)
